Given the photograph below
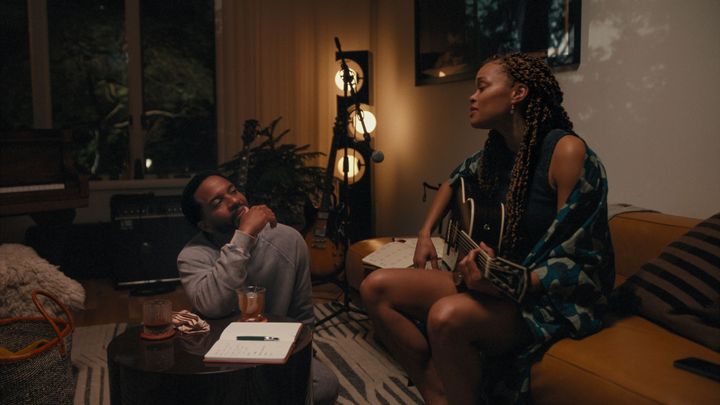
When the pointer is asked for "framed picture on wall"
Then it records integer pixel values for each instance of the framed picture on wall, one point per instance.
(453, 37)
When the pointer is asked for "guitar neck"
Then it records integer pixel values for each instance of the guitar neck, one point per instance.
(510, 278)
(483, 260)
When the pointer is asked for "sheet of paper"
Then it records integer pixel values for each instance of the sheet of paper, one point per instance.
(399, 254)
(228, 350)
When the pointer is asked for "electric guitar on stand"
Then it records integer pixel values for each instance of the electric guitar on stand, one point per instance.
(326, 255)
(471, 222)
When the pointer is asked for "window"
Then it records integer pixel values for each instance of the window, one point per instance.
(178, 75)
(16, 100)
(160, 121)
(88, 79)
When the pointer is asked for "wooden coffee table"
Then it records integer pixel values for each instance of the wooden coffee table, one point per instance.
(172, 371)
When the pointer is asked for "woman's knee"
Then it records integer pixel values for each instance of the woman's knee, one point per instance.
(373, 287)
(444, 322)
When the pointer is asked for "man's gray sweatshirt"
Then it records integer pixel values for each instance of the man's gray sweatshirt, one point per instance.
(276, 259)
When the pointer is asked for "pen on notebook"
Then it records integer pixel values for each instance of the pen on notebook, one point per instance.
(265, 338)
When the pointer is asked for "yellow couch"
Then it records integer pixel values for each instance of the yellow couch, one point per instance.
(631, 360)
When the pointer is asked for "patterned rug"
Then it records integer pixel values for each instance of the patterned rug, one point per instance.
(367, 374)
(345, 344)
(89, 358)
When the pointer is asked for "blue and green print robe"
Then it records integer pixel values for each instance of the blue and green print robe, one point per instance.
(575, 264)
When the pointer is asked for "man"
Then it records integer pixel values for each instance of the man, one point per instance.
(241, 245)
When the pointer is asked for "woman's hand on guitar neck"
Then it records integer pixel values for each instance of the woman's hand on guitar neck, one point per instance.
(424, 252)
(472, 276)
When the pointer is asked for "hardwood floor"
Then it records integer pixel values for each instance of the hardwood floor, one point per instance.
(105, 304)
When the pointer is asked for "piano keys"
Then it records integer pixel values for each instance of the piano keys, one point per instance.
(37, 173)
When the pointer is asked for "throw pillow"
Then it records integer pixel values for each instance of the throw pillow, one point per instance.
(22, 271)
(680, 289)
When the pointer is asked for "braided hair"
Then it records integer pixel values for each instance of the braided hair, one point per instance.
(542, 111)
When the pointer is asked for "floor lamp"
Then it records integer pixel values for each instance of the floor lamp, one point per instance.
(352, 165)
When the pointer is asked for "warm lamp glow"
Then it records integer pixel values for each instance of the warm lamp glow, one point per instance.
(355, 165)
(357, 74)
(368, 117)
(340, 83)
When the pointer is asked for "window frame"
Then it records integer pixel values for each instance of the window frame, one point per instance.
(41, 84)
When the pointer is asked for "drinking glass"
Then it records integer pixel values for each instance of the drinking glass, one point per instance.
(157, 319)
(251, 301)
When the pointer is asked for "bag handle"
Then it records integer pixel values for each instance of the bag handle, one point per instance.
(70, 324)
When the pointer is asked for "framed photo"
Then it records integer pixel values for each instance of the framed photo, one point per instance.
(454, 37)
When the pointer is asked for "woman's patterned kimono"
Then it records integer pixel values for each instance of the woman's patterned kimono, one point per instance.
(575, 264)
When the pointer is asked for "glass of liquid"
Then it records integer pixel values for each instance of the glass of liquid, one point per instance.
(157, 319)
(251, 301)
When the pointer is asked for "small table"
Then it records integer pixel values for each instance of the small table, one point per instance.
(172, 371)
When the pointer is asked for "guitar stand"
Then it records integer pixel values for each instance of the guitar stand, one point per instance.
(346, 306)
(342, 281)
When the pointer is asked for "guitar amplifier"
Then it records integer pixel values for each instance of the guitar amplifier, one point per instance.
(150, 230)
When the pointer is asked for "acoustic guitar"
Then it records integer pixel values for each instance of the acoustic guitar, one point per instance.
(326, 254)
(471, 222)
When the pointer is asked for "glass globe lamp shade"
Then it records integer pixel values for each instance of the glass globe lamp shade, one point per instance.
(356, 124)
(355, 165)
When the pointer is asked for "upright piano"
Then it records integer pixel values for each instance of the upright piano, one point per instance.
(37, 173)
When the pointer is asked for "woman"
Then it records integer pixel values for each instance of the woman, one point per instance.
(475, 342)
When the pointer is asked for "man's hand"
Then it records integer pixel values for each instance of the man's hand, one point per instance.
(252, 220)
(424, 251)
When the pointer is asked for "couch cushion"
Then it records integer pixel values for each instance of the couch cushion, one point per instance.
(680, 288)
(628, 362)
(640, 236)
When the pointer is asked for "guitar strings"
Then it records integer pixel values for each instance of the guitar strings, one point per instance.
(487, 264)
(465, 245)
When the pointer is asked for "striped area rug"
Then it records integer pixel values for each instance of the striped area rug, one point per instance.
(366, 373)
(89, 358)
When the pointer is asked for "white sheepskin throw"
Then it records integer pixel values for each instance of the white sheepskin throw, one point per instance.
(22, 271)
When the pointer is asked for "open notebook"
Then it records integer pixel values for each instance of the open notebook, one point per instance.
(251, 342)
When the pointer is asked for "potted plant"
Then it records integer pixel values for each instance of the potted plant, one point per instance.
(276, 174)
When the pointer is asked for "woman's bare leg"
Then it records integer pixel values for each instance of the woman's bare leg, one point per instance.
(390, 295)
(462, 328)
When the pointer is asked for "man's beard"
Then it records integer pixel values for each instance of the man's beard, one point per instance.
(225, 228)
(232, 223)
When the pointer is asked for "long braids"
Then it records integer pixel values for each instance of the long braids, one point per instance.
(543, 111)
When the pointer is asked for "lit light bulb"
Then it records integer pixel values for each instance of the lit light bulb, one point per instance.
(355, 165)
(148, 163)
(368, 117)
(341, 84)
(353, 168)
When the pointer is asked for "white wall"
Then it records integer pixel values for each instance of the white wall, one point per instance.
(644, 97)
